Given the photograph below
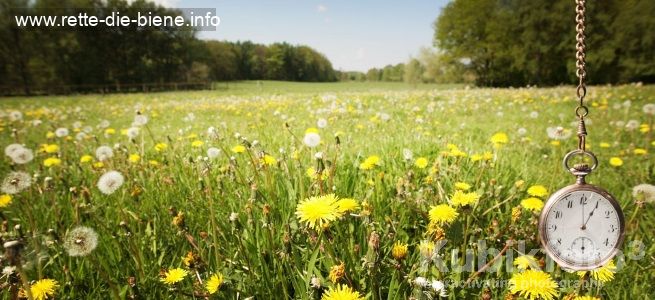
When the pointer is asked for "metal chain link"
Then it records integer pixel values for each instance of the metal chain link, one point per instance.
(581, 111)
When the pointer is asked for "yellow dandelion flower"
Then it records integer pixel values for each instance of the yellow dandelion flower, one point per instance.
(533, 284)
(460, 198)
(616, 162)
(524, 262)
(43, 289)
(239, 149)
(5, 200)
(197, 143)
(370, 162)
(311, 130)
(52, 162)
(341, 292)
(462, 186)
(603, 274)
(214, 283)
(499, 139)
(347, 205)
(153, 163)
(269, 160)
(337, 272)
(421, 162)
(86, 158)
(476, 157)
(98, 165)
(442, 214)
(586, 298)
(50, 135)
(174, 276)
(134, 158)
(538, 191)
(533, 204)
(555, 143)
(110, 131)
(640, 151)
(487, 156)
(318, 211)
(159, 147)
(399, 250)
(49, 148)
(605, 145)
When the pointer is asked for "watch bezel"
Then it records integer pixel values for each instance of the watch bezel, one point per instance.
(555, 198)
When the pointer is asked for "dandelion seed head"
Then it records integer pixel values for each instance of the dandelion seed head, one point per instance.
(80, 241)
(311, 139)
(22, 156)
(213, 152)
(110, 182)
(15, 182)
(104, 153)
(61, 132)
(644, 192)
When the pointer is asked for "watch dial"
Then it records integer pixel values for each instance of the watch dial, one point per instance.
(582, 228)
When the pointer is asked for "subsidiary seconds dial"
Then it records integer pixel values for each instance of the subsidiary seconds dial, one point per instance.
(581, 227)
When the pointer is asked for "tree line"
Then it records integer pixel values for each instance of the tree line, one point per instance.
(516, 42)
(33, 59)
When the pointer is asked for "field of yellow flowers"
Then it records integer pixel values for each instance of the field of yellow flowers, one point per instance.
(313, 192)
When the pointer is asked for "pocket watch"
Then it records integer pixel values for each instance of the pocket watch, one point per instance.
(581, 226)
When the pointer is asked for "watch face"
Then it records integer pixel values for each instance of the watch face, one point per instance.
(581, 227)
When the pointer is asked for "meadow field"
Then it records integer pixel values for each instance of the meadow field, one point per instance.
(269, 190)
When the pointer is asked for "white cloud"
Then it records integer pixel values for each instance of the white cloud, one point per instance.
(321, 8)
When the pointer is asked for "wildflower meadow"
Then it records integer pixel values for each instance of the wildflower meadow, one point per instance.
(314, 191)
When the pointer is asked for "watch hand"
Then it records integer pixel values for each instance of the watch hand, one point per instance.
(583, 222)
(590, 214)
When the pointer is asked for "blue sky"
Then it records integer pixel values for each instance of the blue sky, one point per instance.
(354, 35)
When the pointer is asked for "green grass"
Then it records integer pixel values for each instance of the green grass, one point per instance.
(264, 251)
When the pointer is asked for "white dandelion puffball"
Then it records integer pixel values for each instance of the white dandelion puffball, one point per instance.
(421, 281)
(213, 152)
(132, 132)
(104, 152)
(15, 116)
(110, 182)
(80, 136)
(627, 104)
(632, 125)
(644, 192)
(77, 125)
(407, 154)
(534, 115)
(439, 287)
(649, 109)
(311, 139)
(321, 123)
(22, 156)
(15, 182)
(80, 241)
(10, 149)
(103, 124)
(61, 132)
(558, 133)
(522, 131)
(36, 122)
(140, 120)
